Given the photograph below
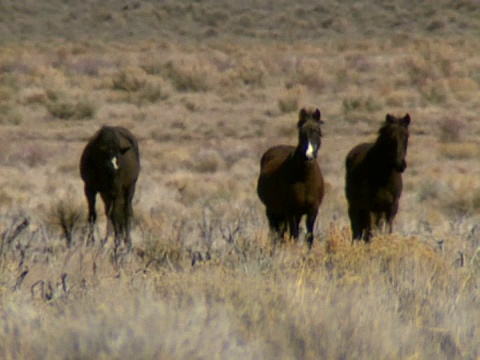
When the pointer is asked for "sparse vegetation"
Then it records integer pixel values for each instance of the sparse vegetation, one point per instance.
(451, 130)
(207, 90)
(66, 109)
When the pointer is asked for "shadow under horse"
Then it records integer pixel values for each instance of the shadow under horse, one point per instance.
(290, 184)
(373, 183)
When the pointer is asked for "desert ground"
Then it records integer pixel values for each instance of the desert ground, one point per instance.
(207, 86)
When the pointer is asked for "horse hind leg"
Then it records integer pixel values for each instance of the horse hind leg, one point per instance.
(294, 227)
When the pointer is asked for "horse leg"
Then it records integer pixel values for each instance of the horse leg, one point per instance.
(361, 224)
(275, 224)
(379, 221)
(366, 221)
(390, 215)
(128, 210)
(294, 226)
(355, 223)
(92, 214)
(108, 201)
(310, 221)
(118, 220)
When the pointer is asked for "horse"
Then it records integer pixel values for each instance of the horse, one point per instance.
(290, 183)
(373, 181)
(110, 165)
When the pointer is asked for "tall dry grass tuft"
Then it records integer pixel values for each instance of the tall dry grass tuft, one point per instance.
(68, 216)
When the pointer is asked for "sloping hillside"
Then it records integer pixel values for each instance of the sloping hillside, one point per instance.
(263, 19)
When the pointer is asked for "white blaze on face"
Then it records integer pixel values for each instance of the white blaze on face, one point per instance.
(115, 163)
(310, 151)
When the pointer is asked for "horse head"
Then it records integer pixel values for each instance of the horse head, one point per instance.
(309, 132)
(393, 137)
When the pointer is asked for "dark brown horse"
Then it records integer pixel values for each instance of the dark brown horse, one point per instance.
(373, 183)
(110, 165)
(290, 184)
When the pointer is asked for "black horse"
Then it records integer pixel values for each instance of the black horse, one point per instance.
(110, 165)
(290, 184)
(373, 183)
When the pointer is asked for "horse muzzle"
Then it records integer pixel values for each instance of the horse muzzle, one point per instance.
(401, 167)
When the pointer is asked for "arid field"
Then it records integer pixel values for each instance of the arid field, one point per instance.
(207, 86)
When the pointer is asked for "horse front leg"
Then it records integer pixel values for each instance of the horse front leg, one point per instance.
(128, 215)
(108, 201)
(357, 223)
(92, 214)
(276, 225)
(310, 222)
(390, 215)
(294, 226)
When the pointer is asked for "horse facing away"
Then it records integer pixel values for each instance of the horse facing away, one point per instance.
(290, 184)
(373, 182)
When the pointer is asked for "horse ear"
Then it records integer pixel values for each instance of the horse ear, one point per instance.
(406, 119)
(317, 115)
(301, 117)
(302, 114)
(390, 119)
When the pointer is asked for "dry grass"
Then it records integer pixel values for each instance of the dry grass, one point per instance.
(203, 280)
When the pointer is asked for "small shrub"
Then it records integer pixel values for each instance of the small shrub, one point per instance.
(290, 102)
(351, 104)
(244, 20)
(61, 109)
(84, 109)
(34, 97)
(72, 109)
(249, 73)
(10, 115)
(434, 92)
(153, 67)
(212, 18)
(87, 66)
(208, 161)
(430, 190)
(154, 91)
(368, 104)
(463, 89)
(460, 151)
(130, 79)
(401, 99)
(450, 130)
(419, 70)
(6, 94)
(187, 77)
